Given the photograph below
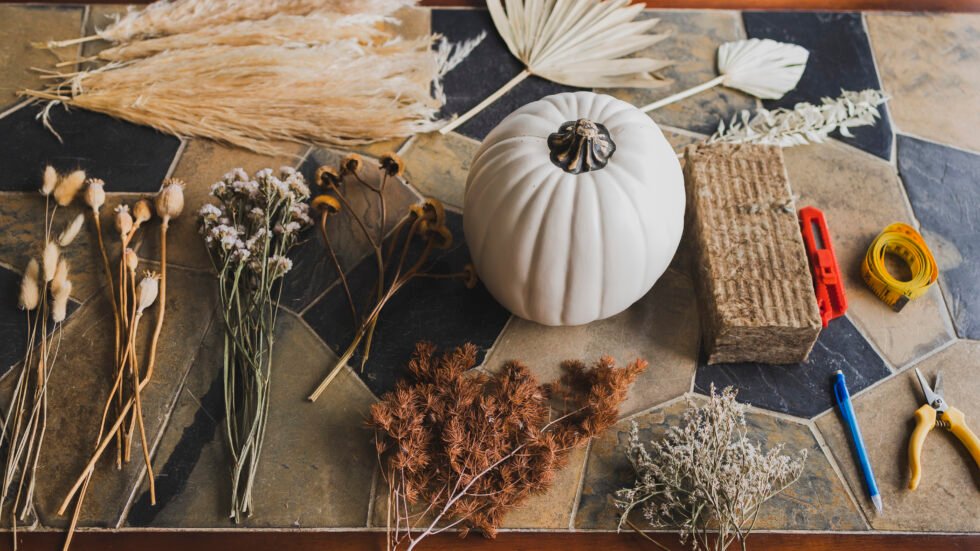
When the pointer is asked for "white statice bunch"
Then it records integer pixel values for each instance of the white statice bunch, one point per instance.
(705, 474)
(805, 123)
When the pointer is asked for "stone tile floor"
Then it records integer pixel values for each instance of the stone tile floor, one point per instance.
(920, 164)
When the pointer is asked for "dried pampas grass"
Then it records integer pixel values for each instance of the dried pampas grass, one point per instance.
(326, 79)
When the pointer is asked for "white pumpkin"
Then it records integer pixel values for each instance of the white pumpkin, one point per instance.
(573, 225)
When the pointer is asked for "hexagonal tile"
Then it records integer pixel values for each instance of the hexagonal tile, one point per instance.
(942, 186)
(662, 328)
(316, 466)
(128, 157)
(438, 165)
(19, 27)
(947, 498)
(552, 510)
(928, 65)
(817, 501)
(840, 58)
(802, 389)
(441, 311)
(692, 46)
(860, 195)
(487, 68)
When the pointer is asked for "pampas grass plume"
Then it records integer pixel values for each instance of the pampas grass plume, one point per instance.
(59, 307)
(95, 194)
(71, 231)
(68, 187)
(149, 287)
(170, 200)
(49, 181)
(49, 260)
(29, 293)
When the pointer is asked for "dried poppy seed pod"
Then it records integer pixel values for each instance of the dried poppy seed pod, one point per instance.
(327, 176)
(132, 261)
(68, 187)
(351, 163)
(59, 307)
(49, 180)
(392, 164)
(142, 211)
(124, 221)
(149, 287)
(70, 232)
(326, 203)
(30, 296)
(170, 200)
(95, 194)
(49, 260)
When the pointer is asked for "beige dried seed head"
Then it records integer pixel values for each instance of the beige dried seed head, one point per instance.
(59, 307)
(71, 231)
(67, 188)
(49, 260)
(148, 288)
(132, 261)
(49, 181)
(60, 275)
(124, 221)
(170, 200)
(30, 295)
(142, 211)
(95, 194)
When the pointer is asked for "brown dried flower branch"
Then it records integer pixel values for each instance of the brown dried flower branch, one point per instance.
(406, 256)
(473, 446)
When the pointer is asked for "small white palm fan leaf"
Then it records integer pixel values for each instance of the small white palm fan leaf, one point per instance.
(579, 43)
(764, 68)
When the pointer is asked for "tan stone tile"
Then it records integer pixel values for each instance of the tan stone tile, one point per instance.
(947, 498)
(437, 165)
(662, 328)
(817, 501)
(317, 462)
(202, 163)
(22, 237)
(553, 509)
(928, 65)
(82, 379)
(860, 195)
(377, 149)
(19, 27)
(692, 46)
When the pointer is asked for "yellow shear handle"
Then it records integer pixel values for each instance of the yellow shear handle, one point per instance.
(925, 420)
(902, 240)
(956, 422)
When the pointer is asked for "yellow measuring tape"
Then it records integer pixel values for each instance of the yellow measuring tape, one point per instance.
(902, 240)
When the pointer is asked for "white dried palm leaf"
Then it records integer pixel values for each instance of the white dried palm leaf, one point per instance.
(167, 17)
(336, 93)
(581, 43)
(764, 68)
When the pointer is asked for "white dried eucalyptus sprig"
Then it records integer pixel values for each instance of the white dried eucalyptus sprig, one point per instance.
(805, 123)
(584, 43)
(705, 475)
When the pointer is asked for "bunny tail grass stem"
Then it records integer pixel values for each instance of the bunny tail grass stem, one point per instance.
(683, 95)
(77, 514)
(485, 103)
(115, 316)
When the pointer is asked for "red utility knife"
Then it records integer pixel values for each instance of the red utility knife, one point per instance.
(827, 282)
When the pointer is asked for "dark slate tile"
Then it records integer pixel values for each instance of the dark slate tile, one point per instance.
(487, 68)
(127, 156)
(443, 312)
(13, 321)
(840, 58)
(800, 389)
(942, 185)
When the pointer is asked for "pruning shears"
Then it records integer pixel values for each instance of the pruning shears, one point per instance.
(937, 413)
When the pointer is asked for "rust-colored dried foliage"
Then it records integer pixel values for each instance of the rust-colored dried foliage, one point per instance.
(471, 446)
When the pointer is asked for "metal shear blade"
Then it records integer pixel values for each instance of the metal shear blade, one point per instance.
(933, 397)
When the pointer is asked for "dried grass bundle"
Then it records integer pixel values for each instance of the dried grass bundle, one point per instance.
(471, 446)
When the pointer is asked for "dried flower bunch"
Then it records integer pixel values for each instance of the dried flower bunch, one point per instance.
(328, 72)
(408, 253)
(706, 475)
(249, 232)
(44, 293)
(805, 123)
(470, 447)
(130, 296)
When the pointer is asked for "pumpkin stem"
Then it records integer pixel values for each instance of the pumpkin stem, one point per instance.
(580, 146)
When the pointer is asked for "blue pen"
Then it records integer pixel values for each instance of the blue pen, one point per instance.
(844, 403)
